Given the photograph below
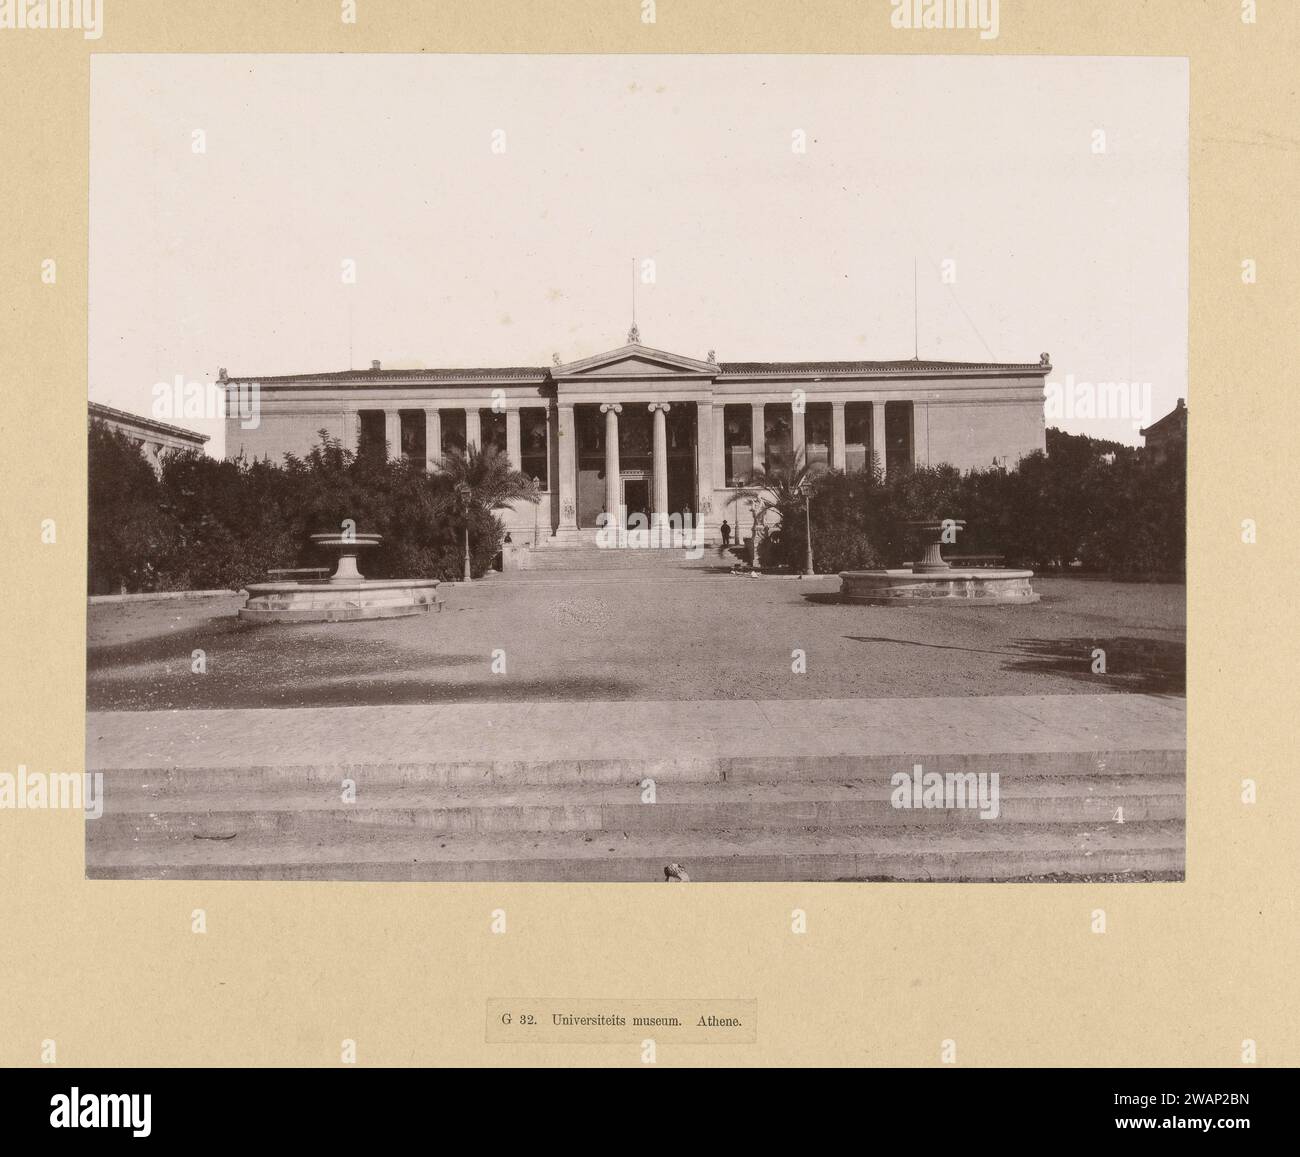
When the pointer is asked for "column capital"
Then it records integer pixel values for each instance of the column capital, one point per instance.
(664, 406)
(611, 407)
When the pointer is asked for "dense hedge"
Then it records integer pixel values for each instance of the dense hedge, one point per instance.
(1098, 506)
(208, 524)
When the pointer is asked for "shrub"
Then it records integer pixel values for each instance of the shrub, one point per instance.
(131, 538)
(206, 524)
(209, 524)
(1098, 505)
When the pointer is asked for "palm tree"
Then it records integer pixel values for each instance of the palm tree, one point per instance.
(480, 479)
(783, 489)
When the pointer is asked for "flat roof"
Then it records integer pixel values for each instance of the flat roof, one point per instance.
(99, 410)
(725, 369)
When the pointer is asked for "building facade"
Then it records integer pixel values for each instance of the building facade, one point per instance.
(1168, 434)
(152, 436)
(652, 432)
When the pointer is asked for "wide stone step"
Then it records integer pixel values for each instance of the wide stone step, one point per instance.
(967, 851)
(630, 771)
(619, 560)
(609, 575)
(707, 807)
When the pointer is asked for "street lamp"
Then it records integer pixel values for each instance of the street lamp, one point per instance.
(537, 505)
(753, 555)
(463, 492)
(806, 487)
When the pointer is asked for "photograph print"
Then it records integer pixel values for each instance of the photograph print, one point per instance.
(663, 469)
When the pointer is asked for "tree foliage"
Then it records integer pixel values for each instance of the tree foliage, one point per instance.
(209, 524)
(1084, 504)
(206, 524)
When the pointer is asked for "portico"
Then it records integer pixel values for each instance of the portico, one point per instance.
(642, 430)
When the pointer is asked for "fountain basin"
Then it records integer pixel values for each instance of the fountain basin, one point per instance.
(348, 546)
(951, 586)
(339, 601)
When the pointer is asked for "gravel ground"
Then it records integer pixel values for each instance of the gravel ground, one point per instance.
(711, 640)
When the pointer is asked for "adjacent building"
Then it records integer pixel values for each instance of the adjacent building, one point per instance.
(1167, 434)
(650, 431)
(152, 436)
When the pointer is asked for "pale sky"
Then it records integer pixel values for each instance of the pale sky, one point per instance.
(465, 257)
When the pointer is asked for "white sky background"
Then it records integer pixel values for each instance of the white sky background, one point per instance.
(467, 258)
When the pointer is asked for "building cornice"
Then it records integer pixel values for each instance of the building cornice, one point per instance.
(524, 375)
(673, 366)
(105, 413)
(756, 371)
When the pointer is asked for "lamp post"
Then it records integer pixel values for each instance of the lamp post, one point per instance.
(753, 512)
(807, 523)
(537, 505)
(463, 492)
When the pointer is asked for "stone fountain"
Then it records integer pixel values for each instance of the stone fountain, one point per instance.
(344, 596)
(931, 581)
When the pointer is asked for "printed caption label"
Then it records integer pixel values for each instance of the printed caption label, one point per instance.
(516, 1021)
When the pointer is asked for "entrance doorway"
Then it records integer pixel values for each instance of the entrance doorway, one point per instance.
(636, 497)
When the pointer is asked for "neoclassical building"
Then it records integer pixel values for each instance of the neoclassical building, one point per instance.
(652, 431)
(153, 437)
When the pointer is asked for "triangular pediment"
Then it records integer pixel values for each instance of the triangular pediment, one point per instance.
(635, 361)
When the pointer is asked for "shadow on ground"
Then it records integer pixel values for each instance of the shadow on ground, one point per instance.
(1134, 664)
(203, 693)
(297, 666)
(261, 644)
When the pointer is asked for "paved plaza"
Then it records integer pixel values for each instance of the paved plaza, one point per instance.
(510, 736)
(713, 639)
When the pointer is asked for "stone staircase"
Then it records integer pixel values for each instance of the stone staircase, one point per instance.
(721, 818)
(583, 554)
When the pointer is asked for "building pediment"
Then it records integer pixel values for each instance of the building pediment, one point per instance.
(634, 362)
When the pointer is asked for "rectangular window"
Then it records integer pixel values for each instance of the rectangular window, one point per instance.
(735, 444)
(370, 433)
(778, 429)
(817, 433)
(533, 447)
(857, 436)
(413, 436)
(493, 426)
(898, 436)
(453, 431)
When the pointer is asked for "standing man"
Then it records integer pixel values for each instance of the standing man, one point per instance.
(726, 534)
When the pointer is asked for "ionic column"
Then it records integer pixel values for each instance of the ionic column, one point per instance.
(513, 454)
(568, 458)
(432, 439)
(659, 410)
(757, 437)
(797, 446)
(393, 433)
(837, 435)
(704, 462)
(473, 427)
(613, 495)
(920, 434)
(878, 435)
